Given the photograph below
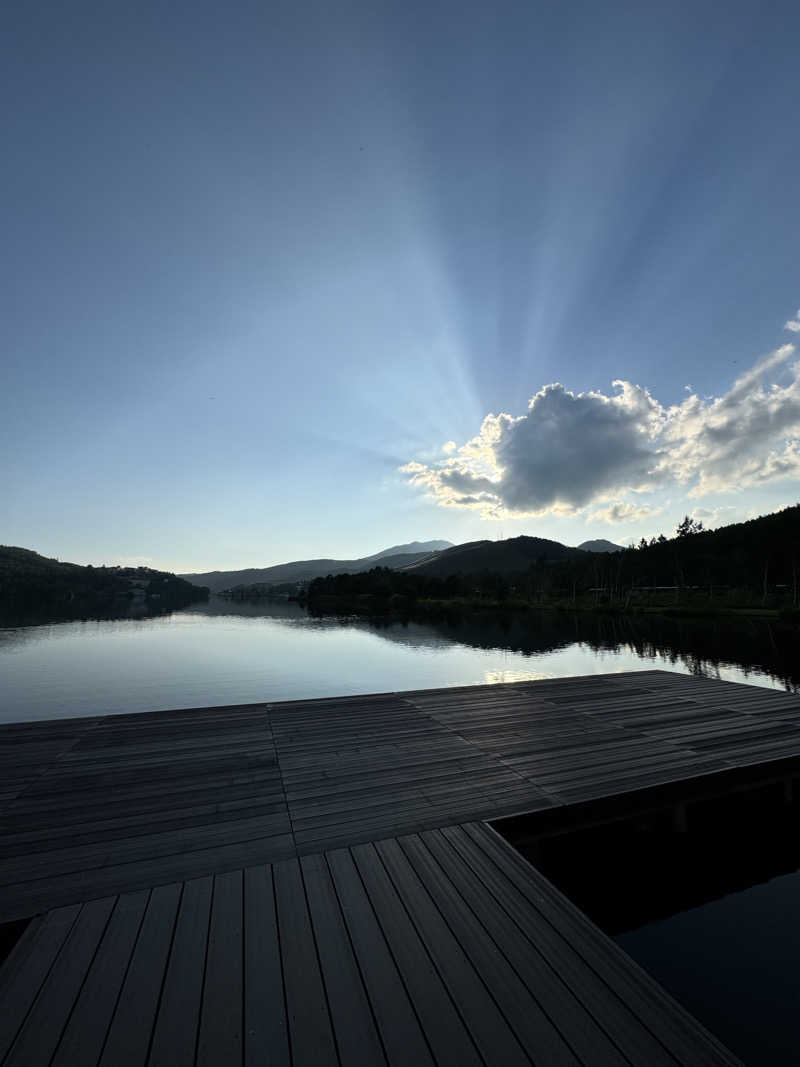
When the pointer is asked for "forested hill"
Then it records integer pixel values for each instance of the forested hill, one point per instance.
(749, 563)
(758, 555)
(743, 555)
(26, 577)
(513, 556)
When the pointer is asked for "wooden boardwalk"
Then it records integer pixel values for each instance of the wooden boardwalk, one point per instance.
(313, 882)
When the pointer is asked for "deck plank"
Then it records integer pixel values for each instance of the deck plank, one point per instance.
(266, 1034)
(310, 1028)
(220, 1035)
(553, 997)
(128, 1038)
(397, 1022)
(476, 1004)
(26, 969)
(444, 1028)
(41, 1031)
(85, 1033)
(354, 1026)
(175, 1033)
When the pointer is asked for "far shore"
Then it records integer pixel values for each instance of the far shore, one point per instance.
(370, 604)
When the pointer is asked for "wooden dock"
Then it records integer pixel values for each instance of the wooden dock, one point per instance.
(314, 882)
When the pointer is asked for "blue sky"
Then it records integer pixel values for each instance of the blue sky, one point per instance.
(257, 259)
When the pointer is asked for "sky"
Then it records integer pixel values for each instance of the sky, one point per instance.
(292, 280)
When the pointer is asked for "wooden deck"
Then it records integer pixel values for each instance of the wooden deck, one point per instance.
(313, 882)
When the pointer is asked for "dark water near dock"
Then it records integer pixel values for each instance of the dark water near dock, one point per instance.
(230, 653)
(703, 891)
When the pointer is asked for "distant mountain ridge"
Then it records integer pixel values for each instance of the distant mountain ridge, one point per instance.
(513, 556)
(413, 547)
(423, 557)
(306, 570)
(600, 545)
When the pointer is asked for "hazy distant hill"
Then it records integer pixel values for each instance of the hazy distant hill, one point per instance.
(500, 557)
(600, 545)
(413, 547)
(307, 569)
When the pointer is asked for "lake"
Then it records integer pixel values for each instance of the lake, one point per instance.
(713, 914)
(233, 653)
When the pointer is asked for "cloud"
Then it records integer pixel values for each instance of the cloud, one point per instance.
(722, 515)
(746, 437)
(622, 512)
(554, 458)
(573, 450)
(793, 324)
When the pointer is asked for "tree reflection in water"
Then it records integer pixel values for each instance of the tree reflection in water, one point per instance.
(701, 646)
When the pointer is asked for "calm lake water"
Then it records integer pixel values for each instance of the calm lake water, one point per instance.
(713, 914)
(226, 653)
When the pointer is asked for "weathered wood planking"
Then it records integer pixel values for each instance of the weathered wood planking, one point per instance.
(310, 882)
(101, 806)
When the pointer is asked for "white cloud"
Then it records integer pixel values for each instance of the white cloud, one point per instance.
(793, 324)
(746, 437)
(624, 512)
(572, 450)
(719, 516)
(555, 459)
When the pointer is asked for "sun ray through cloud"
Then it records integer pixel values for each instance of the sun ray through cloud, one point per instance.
(571, 451)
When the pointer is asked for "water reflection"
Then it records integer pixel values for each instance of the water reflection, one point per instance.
(755, 648)
(221, 653)
(698, 882)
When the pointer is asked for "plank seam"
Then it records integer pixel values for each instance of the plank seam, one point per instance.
(167, 959)
(125, 976)
(400, 975)
(280, 959)
(202, 997)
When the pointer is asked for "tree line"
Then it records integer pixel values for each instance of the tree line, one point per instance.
(754, 563)
(31, 579)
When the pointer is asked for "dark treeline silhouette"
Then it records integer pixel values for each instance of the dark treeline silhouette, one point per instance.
(259, 590)
(754, 563)
(29, 581)
(383, 583)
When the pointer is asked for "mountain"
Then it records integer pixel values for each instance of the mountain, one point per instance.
(500, 557)
(307, 569)
(755, 564)
(600, 545)
(413, 547)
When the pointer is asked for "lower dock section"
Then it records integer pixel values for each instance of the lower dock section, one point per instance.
(443, 947)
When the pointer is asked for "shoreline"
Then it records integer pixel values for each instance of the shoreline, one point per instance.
(368, 604)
